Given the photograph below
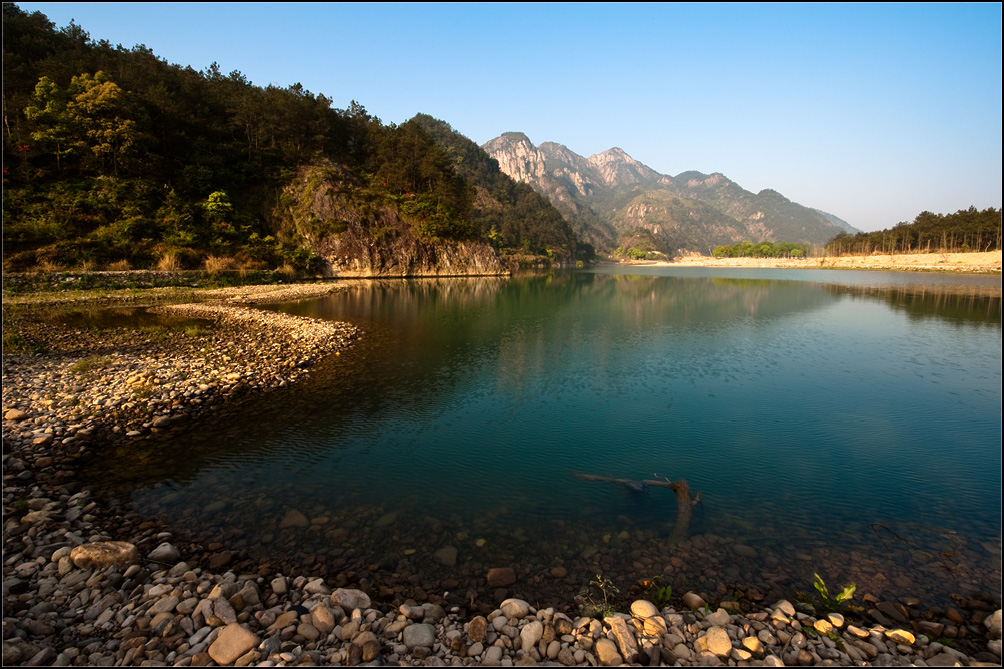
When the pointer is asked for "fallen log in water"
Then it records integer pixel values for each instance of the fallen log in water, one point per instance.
(684, 501)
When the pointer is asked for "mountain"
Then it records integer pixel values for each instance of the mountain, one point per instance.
(617, 201)
(839, 222)
(515, 216)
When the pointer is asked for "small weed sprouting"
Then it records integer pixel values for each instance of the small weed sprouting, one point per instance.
(832, 603)
(607, 590)
(658, 594)
(663, 595)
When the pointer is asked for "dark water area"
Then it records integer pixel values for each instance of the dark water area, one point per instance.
(834, 422)
(103, 318)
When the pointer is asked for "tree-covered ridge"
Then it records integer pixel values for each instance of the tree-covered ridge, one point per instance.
(115, 158)
(965, 230)
(762, 250)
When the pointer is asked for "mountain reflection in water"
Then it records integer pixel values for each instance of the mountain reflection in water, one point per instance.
(823, 415)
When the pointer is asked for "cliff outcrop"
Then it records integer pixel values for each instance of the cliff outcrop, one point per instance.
(356, 236)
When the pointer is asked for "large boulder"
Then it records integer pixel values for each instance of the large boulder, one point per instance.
(501, 576)
(233, 641)
(350, 599)
(101, 554)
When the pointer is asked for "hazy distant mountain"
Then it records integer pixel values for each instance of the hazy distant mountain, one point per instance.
(836, 220)
(619, 201)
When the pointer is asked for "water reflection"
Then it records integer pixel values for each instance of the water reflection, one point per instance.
(817, 418)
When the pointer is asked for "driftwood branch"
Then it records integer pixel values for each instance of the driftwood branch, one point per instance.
(684, 501)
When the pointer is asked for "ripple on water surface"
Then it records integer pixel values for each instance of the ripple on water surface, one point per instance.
(814, 417)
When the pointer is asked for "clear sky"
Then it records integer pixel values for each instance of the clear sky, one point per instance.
(872, 112)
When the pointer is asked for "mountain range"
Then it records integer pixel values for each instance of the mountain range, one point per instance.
(614, 201)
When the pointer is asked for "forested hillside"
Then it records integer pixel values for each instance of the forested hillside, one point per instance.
(114, 158)
(965, 230)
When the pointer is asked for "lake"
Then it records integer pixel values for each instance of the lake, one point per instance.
(845, 423)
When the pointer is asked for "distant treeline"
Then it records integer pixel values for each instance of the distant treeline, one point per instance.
(762, 250)
(965, 230)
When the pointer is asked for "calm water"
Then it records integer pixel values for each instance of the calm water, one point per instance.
(841, 422)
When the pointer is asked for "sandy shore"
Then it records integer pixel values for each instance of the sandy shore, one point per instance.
(919, 262)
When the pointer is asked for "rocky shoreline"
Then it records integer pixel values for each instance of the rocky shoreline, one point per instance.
(88, 583)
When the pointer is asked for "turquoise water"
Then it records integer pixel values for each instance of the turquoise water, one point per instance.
(819, 413)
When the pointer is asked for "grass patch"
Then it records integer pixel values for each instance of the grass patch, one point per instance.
(143, 391)
(91, 364)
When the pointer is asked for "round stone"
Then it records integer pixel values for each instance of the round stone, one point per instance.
(642, 608)
(531, 634)
(420, 634)
(515, 608)
(606, 652)
(500, 577)
(477, 629)
(447, 556)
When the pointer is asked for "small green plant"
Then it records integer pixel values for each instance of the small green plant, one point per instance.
(832, 603)
(662, 595)
(659, 594)
(607, 590)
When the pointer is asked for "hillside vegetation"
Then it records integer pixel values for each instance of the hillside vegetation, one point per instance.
(114, 158)
(965, 230)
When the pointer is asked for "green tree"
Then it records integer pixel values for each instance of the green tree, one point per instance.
(48, 110)
(100, 112)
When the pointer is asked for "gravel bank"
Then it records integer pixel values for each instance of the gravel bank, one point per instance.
(87, 583)
(979, 262)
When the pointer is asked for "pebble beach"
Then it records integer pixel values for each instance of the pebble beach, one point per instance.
(87, 583)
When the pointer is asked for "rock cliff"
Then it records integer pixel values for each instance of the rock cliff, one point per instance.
(518, 157)
(354, 237)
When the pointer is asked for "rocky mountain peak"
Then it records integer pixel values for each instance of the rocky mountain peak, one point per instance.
(517, 156)
(616, 168)
(642, 208)
(613, 155)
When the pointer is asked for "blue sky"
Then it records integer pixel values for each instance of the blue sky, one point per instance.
(872, 112)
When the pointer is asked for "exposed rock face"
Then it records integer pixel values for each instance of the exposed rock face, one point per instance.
(617, 168)
(518, 157)
(365, 241)
(643, 206)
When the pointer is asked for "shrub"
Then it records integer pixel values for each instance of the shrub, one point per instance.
(169, 262)
(287, 272)
(217, 264)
